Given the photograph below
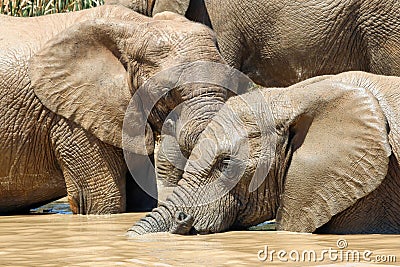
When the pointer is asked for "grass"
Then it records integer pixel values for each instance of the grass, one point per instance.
(30, 8)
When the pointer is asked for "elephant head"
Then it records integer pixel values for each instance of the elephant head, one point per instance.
(89, 72)
(300, 154)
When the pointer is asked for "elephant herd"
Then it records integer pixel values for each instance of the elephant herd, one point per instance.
(250, 110)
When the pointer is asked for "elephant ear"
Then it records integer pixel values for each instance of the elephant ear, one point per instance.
(176, 6)
(80, 74)
(341, 155)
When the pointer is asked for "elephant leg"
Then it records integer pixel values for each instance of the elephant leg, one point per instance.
(94, 172)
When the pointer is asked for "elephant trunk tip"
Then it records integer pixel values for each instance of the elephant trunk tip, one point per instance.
(183, 224)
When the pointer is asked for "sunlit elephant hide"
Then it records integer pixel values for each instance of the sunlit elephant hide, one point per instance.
(280, 43)
(319, 156)
(66, 81)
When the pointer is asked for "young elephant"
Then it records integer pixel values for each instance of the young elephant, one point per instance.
(282, 42)
(319, 156)
(66, 81)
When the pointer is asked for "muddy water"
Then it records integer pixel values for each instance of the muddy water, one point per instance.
(72, 240)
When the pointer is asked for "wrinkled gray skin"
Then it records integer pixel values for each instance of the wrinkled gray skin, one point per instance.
(334, 168)
(65, 83)
(280, 43)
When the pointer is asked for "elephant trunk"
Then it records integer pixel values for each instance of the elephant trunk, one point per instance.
(168, 217)
(170, 161)
(159, 220)
(177, 143)
(196, 113)
(198, 204)
(193, 214)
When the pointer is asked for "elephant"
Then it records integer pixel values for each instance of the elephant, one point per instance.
(280, 43)
(320, 156)
(66, 81)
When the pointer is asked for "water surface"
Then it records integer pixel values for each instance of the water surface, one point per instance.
(77, 240)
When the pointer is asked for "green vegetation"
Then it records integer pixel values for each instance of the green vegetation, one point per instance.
(265, 226)
(30, 8)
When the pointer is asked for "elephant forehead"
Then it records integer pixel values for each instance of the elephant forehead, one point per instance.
(251, 112)
(227, 126)
(224, 136)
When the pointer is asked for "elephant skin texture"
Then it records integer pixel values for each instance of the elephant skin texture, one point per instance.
(282, 42)
(279, 43)
(318, 156)
(65, 84)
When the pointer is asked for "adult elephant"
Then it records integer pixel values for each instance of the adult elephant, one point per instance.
(319, 156)
(280, 43)
(65, 84)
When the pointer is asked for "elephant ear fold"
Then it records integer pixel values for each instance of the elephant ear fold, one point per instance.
(341, 155)
(177, 6)
(80, 75)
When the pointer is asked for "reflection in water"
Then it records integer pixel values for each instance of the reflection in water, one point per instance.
(75, 240)
(60, 206)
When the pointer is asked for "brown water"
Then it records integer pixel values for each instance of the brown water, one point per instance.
(73, 240)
